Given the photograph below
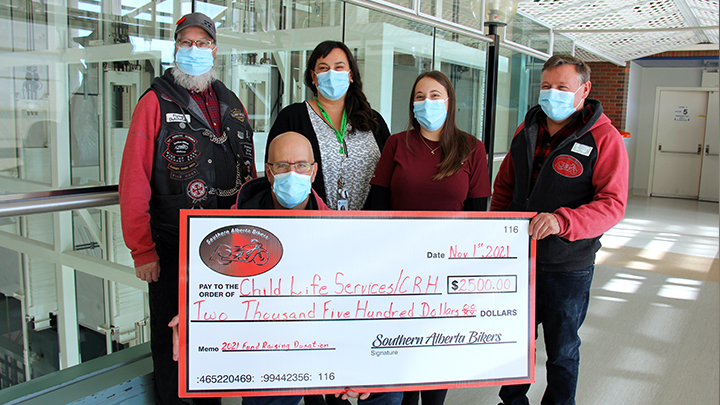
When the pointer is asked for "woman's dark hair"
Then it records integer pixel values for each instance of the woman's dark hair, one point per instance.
(360, 115)
(455, 144)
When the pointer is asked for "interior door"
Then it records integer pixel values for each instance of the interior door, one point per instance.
(710, 175)
(680, 140)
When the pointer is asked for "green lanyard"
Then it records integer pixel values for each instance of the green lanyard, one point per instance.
(340, 135)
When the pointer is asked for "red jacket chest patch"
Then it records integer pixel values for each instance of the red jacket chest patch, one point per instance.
(567, 166)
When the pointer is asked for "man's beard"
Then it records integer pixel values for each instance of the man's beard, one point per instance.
(194, 83)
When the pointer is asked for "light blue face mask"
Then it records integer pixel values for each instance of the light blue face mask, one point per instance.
(431, 114)
(557, 104)
(194, 61)
(291, 188)
(333, 84)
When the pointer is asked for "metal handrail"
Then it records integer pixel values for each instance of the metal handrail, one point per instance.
(12, 205)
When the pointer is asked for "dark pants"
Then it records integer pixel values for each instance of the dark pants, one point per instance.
(561, 305)
(384, 398)
(327, 400)
(430, 397)
(163, 296)
(289, 400)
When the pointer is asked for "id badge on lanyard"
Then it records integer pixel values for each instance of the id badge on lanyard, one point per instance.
(342, 202)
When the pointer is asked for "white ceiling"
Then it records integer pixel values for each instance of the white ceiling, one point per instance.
(623, 30)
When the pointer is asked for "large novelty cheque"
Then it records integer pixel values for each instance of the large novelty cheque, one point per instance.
(287, 302)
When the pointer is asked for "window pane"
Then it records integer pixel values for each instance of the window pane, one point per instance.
(527, 32)
(518, 90)
(562, 45)
(465, 13)
(463, 59)
(391, 52)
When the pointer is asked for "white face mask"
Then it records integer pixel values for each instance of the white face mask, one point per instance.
(194, 61)
(291, 188)
(557, 104)
(431, 114)
(333, 84)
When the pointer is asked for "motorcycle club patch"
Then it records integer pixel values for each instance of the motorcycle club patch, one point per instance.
(237, 114)
(247, 150)
(180, 148)
(177, 117)
(568, 166)
(248, 169)
(183, 172)
(197, 190)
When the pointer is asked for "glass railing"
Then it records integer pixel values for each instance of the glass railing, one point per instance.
(67, 299)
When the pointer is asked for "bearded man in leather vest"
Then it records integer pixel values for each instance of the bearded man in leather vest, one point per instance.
(189, 146)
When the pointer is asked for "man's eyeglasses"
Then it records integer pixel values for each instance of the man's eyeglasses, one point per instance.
(200, 43)
(284, 167)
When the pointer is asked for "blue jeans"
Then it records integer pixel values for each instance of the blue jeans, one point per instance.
(561, 305)
(383, 398)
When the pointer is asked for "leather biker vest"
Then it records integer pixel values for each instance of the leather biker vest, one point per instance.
(183, 168)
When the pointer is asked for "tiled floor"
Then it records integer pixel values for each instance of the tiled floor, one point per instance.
(651, 335)
(665, 236)
(670, 225)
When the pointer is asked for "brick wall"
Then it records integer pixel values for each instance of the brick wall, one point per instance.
(684, 54)
(610, 86)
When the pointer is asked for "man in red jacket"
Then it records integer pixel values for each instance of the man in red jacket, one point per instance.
(568, 164)
(189, 146)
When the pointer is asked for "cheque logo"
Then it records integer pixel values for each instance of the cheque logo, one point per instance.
(241, 250)
(253, 252)
(568, 166)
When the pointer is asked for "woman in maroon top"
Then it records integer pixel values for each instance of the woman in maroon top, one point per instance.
(433, 166)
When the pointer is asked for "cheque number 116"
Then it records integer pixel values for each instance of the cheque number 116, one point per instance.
(511, 229)
(327, 376)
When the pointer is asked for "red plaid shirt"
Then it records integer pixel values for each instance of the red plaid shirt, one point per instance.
(208, 103)
(546, 143)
